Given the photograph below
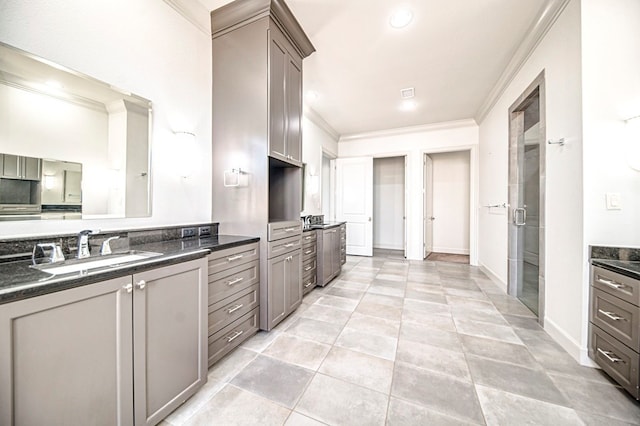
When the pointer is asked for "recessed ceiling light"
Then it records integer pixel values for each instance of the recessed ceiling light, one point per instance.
(408, 105)
(401, 18)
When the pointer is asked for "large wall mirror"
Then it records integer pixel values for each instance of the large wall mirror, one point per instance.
(70, 146)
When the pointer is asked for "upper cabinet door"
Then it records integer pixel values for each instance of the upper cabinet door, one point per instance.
(293, 88)
(277, 96)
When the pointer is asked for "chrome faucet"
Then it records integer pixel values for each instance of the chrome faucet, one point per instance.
(83, 244)
(105, 248)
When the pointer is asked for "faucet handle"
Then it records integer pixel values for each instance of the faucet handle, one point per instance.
(105, 248)
(53, 251)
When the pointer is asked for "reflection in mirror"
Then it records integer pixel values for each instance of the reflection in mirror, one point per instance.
(101, 133)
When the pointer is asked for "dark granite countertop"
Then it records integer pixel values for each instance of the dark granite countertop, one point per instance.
(630, 268)
(19, 281)
(327, 225)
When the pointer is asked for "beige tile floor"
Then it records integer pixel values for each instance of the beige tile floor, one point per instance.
(402, 342)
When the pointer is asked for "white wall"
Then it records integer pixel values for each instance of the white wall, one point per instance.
(388, 203)
(611, 82)
(558, 54)
(315, 141)
(144, 47)
(414, 143)
(451, 190)
(611, 85)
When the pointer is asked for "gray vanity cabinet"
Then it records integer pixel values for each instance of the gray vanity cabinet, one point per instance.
(123, 351)
(285, 278)
(285, 99)
(329, 255)
(169, 338)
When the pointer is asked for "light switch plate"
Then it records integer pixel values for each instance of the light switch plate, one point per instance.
(614, 201)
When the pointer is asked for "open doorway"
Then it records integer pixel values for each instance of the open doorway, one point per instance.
(526, 198)
(446, 206)
(389, 216)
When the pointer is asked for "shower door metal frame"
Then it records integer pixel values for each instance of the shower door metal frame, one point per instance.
(515, 269)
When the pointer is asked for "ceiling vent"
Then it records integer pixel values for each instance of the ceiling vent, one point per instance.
(407, 93)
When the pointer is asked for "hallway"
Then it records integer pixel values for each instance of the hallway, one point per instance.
(392, 341)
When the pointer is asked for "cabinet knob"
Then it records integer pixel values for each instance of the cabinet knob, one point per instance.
(141, 284)
(128, 287)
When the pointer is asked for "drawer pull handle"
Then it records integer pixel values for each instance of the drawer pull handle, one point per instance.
(308, 268)
(611, 315)
(289, 229)
(289, 245)
(610, 283)
(236, 281)
(307, 238)
(308, 252)
(610, 356)
(307, 285)
(236, 257)
(235, 308)
(234, 336)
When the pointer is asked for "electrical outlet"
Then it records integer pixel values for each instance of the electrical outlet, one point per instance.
(204, 231)
(188, 232)
(614, 201)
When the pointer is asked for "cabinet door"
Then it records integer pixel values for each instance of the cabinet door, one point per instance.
(293, 87)
(336, 264)
(277, 74)
(66, 357)
(294, 281)
(276, 299)
(170, 335)
(31, 169)
(11, 167)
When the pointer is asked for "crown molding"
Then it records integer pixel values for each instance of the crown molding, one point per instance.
(194, 12)
(545, 20)
(317, 119)
(411, 129)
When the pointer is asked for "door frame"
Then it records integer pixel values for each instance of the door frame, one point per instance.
(474, 188)
(516, 195)
(405, 156)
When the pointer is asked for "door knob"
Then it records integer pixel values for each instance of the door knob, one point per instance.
(369, 219)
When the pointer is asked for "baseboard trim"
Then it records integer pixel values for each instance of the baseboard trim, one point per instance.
(492, 276)
(447, 250)
(573, 348)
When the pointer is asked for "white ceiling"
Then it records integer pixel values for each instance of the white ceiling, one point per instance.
(453, 53)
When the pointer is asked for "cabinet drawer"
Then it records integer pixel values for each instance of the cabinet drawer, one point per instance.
(309, 251)
(229, 282)
(618, 285)
(230, 309)
(309, 237)
(227, 258)
(616, 317)
(278, 230)
(308, 283)
(222, 342)
(276, 248)
(309, 266)
(620, 362)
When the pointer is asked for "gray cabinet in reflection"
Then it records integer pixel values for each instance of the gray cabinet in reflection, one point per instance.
(20, 167)
(123, 351)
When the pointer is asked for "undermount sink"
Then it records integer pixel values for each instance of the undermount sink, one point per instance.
(78, 265)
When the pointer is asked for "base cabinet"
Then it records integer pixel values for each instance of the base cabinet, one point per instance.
(125, 351)
(285, 280)
(329, 255)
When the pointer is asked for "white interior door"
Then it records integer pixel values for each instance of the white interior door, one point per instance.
(428, 218)
(354, 202)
